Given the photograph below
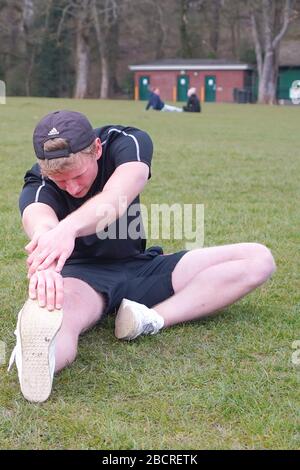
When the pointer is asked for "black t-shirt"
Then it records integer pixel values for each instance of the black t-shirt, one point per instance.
(119, 145)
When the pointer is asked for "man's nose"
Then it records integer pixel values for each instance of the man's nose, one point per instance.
(72, 187)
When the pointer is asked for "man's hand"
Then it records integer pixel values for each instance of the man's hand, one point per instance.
(53, 246)
(47, 287)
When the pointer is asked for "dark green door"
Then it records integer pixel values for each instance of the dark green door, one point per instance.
(286, 77)
(144, 88)
(210, 88)
(182, 87)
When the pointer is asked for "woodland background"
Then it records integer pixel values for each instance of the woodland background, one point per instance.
(72, 48)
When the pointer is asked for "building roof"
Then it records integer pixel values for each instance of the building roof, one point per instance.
(191, 64)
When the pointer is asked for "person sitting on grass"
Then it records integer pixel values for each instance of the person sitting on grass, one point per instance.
(193, 102)
(157, 104)
(85, 182)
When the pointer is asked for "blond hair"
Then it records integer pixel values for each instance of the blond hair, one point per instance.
(50, 167)
(191, 91)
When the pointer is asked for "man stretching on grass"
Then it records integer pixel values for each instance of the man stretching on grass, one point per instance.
(85, 181)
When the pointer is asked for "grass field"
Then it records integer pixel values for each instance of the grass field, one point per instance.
(223, 383)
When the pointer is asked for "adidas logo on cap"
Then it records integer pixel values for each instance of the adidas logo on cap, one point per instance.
(53, 132)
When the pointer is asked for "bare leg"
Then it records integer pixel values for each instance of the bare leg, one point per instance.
(83, 307)
(209, 279)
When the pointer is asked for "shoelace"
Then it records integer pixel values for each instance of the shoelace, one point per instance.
(12, 359)
(13, 354)
(148, 329)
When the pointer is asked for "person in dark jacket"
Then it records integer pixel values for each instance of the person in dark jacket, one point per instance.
(193, 103)
(156, 103)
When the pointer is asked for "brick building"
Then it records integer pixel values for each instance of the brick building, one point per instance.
(214, 80)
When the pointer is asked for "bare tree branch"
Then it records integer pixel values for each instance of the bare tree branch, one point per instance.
(257, 44)
(286, 22)
(65, 11)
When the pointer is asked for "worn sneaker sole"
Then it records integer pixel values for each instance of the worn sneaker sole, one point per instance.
(38, 327)
(126, 323)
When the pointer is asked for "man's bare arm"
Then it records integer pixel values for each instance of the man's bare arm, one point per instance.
(45, 286)
(124, 185)
(38, 218)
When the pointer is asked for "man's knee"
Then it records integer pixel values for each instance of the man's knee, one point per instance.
(262, 264)
(79, 295)
(267, 260)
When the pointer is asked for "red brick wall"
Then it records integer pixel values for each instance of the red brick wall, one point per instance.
(166, 81)
(226, 81)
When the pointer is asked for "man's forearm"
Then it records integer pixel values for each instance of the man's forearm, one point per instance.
(40, 228)
(106, 207)
(96, 214)
(37, 219)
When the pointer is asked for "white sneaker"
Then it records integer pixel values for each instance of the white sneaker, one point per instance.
(34, 352)
(134, 319)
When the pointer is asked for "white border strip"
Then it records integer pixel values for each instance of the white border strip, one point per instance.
(189, 67)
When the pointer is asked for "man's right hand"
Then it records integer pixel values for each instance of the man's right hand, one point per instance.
(47, 287)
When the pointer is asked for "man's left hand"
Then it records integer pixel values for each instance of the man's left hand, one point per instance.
(56, 245)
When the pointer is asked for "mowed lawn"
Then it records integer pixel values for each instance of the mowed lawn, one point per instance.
(223, 383)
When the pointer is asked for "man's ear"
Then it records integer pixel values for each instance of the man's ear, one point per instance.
(99, 148)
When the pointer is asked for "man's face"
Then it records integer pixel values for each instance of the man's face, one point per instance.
(78, 181)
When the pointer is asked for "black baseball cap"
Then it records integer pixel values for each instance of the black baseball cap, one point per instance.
(72, 126)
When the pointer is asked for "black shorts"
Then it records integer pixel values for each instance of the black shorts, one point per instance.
(145, 278)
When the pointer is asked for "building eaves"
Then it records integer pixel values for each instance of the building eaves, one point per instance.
(191, 64)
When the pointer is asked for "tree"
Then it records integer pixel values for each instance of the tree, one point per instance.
(158, 16)
(270, 21)
(106, 16)
(197, 19)
(186, 47)
(83, 26)
(13, 50)
(215, 25)
(51, 51)
(28, 20)
(232, 13)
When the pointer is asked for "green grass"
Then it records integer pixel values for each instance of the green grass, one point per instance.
(222, 383)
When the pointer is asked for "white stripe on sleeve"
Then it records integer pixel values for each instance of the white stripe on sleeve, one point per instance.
(39, 190)
(134, 139)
